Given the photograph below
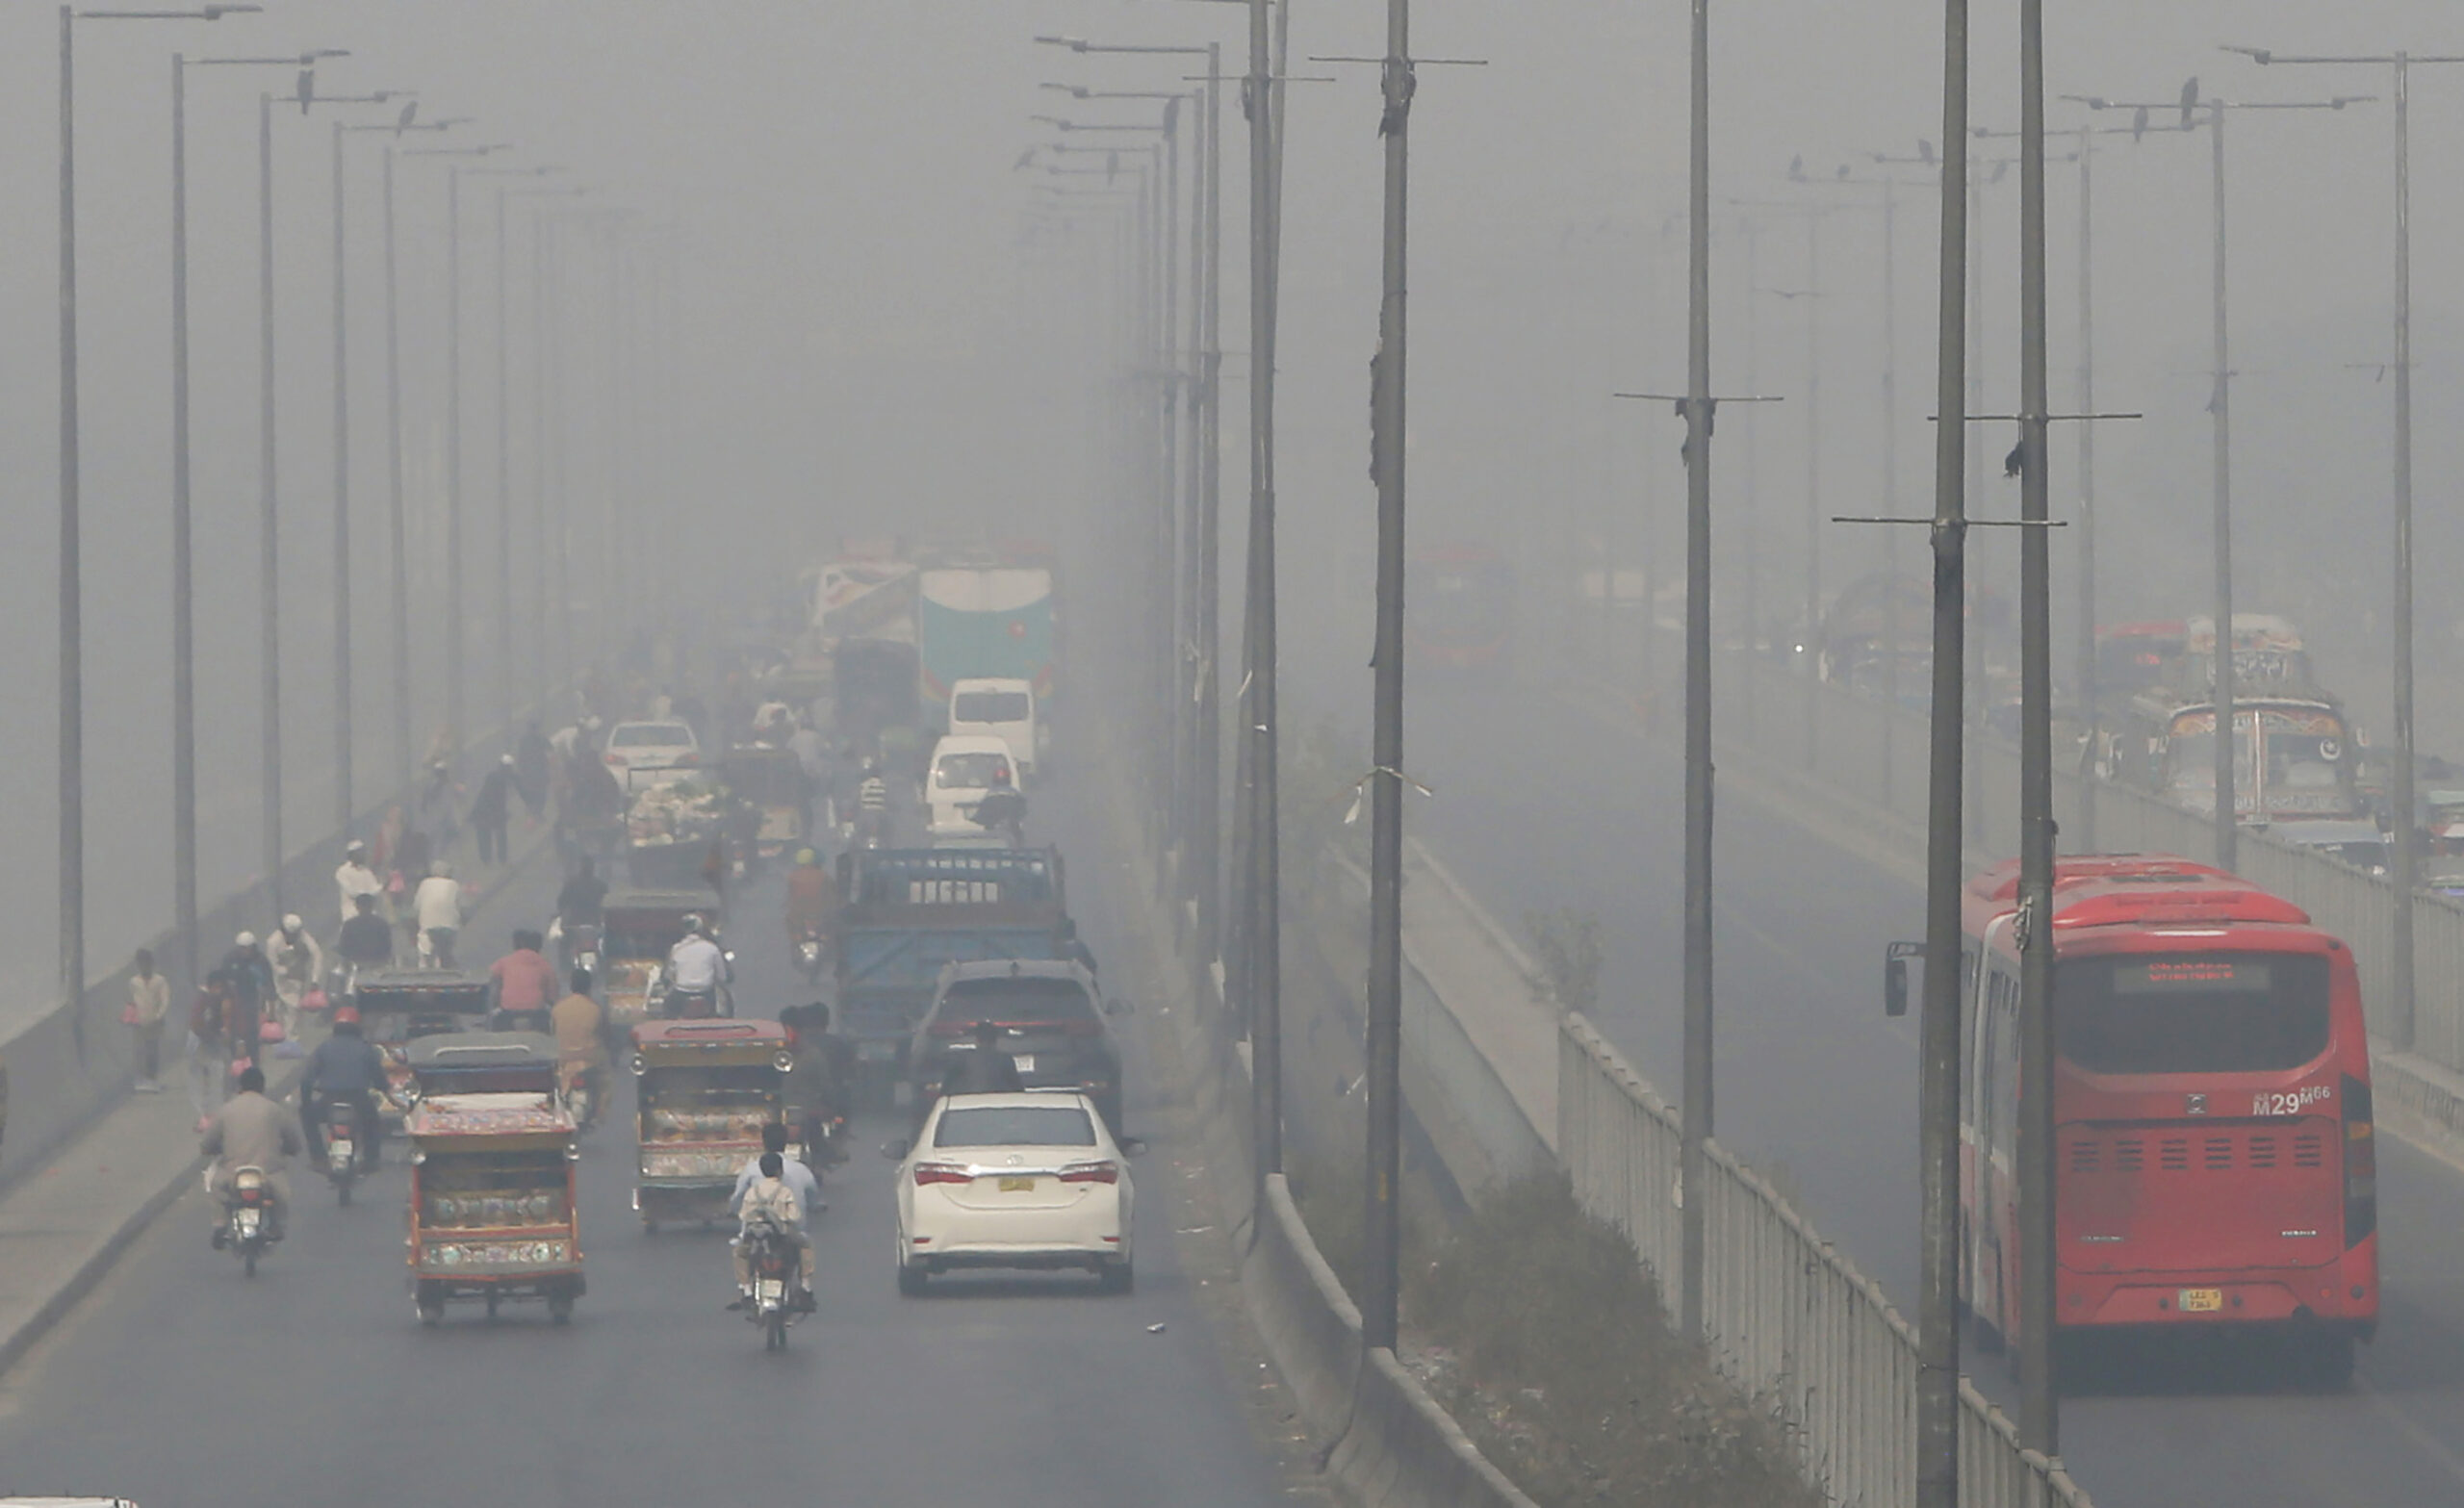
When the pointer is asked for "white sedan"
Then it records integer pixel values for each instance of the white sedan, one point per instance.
(652, 746)
(1029, 1180)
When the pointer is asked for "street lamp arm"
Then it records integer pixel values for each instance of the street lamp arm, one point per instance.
(211, 12)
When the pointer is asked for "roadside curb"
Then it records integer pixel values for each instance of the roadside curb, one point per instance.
(89, 1269)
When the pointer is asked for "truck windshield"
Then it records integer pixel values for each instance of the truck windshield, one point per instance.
(2213, 1013)
(988, 707)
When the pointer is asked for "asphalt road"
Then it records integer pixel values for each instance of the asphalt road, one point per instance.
(180, 1383)
(1536, 811)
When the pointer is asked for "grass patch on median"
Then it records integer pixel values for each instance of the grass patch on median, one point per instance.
(1536, 1327)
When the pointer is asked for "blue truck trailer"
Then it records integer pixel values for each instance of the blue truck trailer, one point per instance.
(909, 912)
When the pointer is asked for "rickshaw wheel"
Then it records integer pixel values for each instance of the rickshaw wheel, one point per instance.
(560, 1308)
(432, 1308)
(650, 1227)
(492, 1303)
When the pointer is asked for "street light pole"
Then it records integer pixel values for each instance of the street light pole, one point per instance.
(1262, 884)
(2228, 792)
(1383, 1237)
(1693, 1162)
(1938, 1342)
(268, 583)
(343, 807)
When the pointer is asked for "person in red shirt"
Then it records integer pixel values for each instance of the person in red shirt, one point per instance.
(526, 985)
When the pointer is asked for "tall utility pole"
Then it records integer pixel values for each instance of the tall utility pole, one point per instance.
(504, 495)
(1261, 883)
(1383, 1231)
(2220, 408)
(344, 810)
(457, 731)
(183, 598)
(268, 577)
(72, 631)
(2038, 1407)
(1206, 854)
(1693, 1166)
(2086, 671)
(1938, 1342)
(2399, 1015)
(405, 736)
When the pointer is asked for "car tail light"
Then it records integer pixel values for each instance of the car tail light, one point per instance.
(614, 758)
(2361, 1164)
(1106, 1171)
(941, 1173)
(688, 758)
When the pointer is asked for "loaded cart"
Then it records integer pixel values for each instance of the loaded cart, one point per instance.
(493, 1207)
(705, 1091)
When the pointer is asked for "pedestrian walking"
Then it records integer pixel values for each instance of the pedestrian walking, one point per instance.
(491, 809)
(531, 763)
(149, 1001)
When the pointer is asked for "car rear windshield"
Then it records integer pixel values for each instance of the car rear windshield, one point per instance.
(1015, 1000)
(651, 736)
(972, 771)
(1014, 1126)
(2215, 1012)
(990, 707)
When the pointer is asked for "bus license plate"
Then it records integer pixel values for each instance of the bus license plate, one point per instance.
(2201, 1301)
(1017, 1186)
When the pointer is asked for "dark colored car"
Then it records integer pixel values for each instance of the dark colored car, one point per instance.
(1052, 1025)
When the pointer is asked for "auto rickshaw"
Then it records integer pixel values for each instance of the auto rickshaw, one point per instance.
(771, 781)
(493, 1209)
(705, 1091)
(400, 1006)
(640, 928)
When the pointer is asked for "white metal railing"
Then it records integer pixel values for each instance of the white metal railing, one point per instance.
(1790, 1319)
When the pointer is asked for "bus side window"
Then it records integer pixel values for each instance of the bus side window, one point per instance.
(2004, 1130)
(1988, 1048)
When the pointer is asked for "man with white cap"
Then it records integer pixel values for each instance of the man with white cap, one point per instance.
(355, 878)
(297, 963)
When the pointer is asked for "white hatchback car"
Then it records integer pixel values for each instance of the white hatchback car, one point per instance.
(1030, 1180)
(652, 746)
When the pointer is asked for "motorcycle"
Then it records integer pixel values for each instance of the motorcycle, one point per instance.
(776, 1266)
(247, 1218)
(342, 1146)
(808, 956)
(580, 944)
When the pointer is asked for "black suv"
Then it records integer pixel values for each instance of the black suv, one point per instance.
(1051, 1020)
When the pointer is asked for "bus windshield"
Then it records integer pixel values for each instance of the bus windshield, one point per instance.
(2214, 1013)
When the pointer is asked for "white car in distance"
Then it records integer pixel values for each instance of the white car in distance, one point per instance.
(1030, 1180)
(963, 768)
(667, 745)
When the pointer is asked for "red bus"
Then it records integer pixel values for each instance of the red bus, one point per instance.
(2214, 1162)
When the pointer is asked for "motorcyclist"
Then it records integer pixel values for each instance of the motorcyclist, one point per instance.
(296, 962)
(697, 970)
(346, 1067)
(813, 896)
(817, 1089)
(582, 902)
(251, 1130)
(366, 942)
(580, 1027)
(872, 803)
(437, 909)
(768, 1196)
(526, 985)
(1002, 807)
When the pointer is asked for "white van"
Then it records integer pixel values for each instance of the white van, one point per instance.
(1005, 709)
(964, 765)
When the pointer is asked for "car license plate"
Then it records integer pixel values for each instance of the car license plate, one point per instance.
(1026, 1061)
(2201, 1300)
(1017, 1186)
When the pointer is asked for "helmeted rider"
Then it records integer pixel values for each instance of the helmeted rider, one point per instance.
(1002, 807)
(697, 969)
(345, 1066)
